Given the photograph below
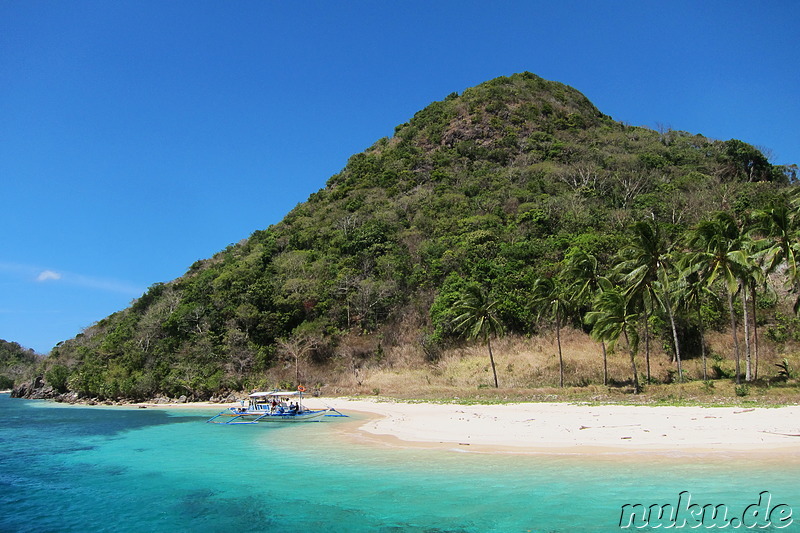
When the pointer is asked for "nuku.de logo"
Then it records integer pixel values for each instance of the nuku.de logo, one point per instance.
(686, 514)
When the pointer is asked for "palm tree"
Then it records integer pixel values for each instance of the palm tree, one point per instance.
(477, 317)
(751, 275)
(582, 268)
(719, 255)
(646, 270)
(551, 299)
(779, 228)
(612, 319)
(690, 291)
(776, 243)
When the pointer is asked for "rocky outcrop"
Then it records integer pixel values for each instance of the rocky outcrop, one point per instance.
(38, 389)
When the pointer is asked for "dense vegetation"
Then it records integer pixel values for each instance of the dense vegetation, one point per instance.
(16, 363)
(518, 191)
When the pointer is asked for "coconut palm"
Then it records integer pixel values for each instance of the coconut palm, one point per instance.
(751, 276)
(477, 317)
(691, 290)
(582, 268)
(646, 271)
(612, 319)
(776, 245)
(550, 299)
(778, 228)
(719, 255)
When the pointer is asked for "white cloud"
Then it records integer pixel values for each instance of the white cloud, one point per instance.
(47, 275)
(31, 273)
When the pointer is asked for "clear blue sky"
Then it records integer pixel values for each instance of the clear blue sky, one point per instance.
(137, 137)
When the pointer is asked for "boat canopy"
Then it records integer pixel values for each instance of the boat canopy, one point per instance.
(276, 394)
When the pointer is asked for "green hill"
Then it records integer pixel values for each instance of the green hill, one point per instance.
(493, 187)
(16, 363)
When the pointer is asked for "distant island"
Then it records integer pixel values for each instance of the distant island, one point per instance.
(509, 242)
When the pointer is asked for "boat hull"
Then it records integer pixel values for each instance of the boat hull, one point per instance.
(233, 416)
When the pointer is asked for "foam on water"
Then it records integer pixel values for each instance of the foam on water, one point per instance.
(97, 469)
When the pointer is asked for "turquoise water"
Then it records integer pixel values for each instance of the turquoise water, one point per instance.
(111, 469)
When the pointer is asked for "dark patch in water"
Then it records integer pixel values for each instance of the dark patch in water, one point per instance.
(79, 449)
(197, 503)
(115, 470)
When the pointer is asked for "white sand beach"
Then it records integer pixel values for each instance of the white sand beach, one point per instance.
(560, 427)
(569, 428)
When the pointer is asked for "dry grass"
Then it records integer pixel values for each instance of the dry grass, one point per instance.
(528, 369)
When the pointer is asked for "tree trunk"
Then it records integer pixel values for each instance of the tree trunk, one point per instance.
(675, 339)
(733, 332)
(647, 342)
(560, 358)
(748, 373)
(491, 358)
(702, 342)
(636, 387)
(605, 363)
(755, 330)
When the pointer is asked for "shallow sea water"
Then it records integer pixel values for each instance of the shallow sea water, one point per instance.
(65, 469)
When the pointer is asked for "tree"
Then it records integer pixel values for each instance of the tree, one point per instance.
(690, 291)
(751, 275)
(582, 268)
(551, 299)
(744, 162)
(719, 255)
(298, 347)
(57, 377)
(612, 319)
(776, 243)
(778, 230)
(645, 269)
(477, 317)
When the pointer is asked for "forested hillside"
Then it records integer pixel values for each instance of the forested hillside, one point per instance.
(16, 363)
(517, 199)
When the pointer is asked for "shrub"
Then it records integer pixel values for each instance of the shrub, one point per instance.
(57, 377)
(785, 373)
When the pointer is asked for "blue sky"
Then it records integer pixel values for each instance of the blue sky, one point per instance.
(137, 137)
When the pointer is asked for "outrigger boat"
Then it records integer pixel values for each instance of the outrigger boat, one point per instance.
(273, 406)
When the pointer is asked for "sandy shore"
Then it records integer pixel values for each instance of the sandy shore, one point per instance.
(562, 427)
(567, 428)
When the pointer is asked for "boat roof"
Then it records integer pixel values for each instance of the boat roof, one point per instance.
(275, 393)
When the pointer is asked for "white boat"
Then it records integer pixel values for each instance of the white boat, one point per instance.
(273, 406)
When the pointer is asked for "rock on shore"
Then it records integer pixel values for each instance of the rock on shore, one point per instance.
(38, 389)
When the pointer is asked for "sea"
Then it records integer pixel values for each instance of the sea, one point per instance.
(114, 469)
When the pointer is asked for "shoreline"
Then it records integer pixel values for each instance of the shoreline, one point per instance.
(558, 428)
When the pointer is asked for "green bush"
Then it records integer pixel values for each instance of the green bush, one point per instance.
(785, 372)
(57, 377)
